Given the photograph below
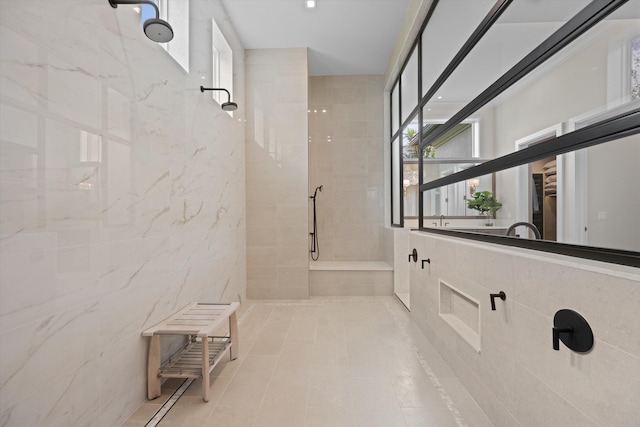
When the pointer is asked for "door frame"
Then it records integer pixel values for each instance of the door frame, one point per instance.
(524, 180)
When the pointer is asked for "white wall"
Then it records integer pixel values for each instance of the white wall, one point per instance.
(517, 378)
(277, 173)
(613, 196)
(92, 252)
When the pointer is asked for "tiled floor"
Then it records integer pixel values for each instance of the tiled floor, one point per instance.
(325, 362)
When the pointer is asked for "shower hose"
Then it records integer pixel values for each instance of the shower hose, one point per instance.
(315, 247)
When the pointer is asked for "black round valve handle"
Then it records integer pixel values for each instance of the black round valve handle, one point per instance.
(573, 330)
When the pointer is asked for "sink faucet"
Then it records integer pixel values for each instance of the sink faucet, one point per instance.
(533, 228)
(441, 218)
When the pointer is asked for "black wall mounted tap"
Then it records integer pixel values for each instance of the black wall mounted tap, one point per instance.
(493, 297)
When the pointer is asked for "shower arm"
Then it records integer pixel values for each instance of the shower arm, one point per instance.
(202, 89)
(114, 4)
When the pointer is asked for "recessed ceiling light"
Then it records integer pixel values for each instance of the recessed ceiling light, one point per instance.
(310, 3)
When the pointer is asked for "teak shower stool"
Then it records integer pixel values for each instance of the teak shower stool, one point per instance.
(198, 322)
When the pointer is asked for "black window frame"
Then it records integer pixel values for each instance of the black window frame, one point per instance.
(616, 127)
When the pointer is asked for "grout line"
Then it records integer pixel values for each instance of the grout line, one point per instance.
(560, 396)
(241, 319)
(354, 412)
(264, 396)
(458, 418)
(246, 313)
(166, 407)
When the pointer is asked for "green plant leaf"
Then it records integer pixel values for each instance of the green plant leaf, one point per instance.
(484, 201)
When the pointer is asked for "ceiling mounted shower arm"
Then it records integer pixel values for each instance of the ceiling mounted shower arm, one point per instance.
(226, 106)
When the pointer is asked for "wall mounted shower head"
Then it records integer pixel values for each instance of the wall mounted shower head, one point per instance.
(156, 29)
(229, 106)
(226, 106)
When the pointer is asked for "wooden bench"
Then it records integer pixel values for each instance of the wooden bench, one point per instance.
(198, 322)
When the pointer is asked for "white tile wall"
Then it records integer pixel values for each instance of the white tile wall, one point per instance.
(518, 379)
(346, 154)
(121, 199)
(277, 173)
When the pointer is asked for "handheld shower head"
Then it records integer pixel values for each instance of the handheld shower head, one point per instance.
(319, 188)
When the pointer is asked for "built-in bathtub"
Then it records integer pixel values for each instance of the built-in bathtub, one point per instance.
(350, 278)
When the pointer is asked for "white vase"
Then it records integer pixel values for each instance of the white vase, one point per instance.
(489, 217)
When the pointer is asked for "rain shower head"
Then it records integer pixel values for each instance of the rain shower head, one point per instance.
(156, 29)
(229, 106)
(226, 106)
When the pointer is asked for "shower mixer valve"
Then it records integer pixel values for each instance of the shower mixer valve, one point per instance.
(573, 330)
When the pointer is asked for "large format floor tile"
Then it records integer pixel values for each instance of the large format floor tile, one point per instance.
(325, 362)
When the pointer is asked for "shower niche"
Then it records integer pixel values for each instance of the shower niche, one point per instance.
(462, 312)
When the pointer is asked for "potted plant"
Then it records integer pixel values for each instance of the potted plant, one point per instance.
(486, 203)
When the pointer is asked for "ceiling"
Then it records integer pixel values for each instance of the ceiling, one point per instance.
(343, 36)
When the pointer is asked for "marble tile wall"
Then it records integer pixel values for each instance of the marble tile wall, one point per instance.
(277, 173)
(122, 198)
(346, 157)
(517, 378)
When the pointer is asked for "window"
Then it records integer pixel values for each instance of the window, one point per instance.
(176, 12)
(395, 108)
(222, 65)
(409, 86)
(438, 51)
(552, 65)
